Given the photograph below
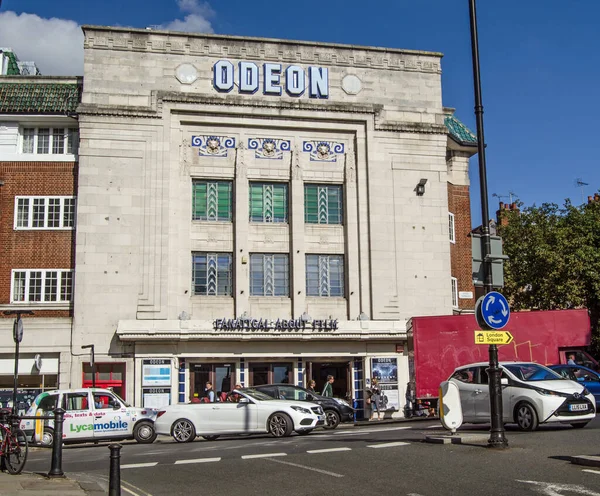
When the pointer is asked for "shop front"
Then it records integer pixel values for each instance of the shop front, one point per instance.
(36, 374)
(352, 354)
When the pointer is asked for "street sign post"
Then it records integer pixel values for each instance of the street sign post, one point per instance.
(493, 337)
(492, 311)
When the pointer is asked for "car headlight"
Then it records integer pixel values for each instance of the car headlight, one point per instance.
(585, 391)
(301, 409)
(547, 392)
(342, 402)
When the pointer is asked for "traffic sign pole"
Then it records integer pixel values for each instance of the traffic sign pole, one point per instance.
(497, 437)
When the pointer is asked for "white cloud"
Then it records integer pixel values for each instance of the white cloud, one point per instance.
(196, 20)
(55, 45)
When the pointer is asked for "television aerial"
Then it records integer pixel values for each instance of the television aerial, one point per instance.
(580, 184)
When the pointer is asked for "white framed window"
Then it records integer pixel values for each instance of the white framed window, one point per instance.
(41, 286)
(454, 281)
(49, 140)
(44, 212)
(451, 231)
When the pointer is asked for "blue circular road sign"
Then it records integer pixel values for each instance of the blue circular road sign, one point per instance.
(494, 310)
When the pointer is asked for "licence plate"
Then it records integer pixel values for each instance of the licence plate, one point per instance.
(321, 417)
(577, 408)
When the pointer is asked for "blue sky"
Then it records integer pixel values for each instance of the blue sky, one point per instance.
(539, 61)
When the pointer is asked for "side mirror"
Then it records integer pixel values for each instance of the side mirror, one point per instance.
(116, 406)
(244, 400)
(504, 381)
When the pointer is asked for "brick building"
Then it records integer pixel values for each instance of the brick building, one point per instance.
(38, 184)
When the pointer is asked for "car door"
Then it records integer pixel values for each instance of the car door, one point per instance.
(228, 417)
(110, 416)
(482, 395)
(466, 380)
(590, 379)
(79, 422)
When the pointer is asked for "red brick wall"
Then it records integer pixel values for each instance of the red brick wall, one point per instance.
(459, 204)
(44, 249)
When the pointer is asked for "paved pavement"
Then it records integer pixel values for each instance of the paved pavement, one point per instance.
(375, 458)
(32, 484)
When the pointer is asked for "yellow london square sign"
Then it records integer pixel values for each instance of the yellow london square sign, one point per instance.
(493, 337)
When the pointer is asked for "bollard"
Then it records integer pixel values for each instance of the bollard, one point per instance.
(56, 467)
(114, 482)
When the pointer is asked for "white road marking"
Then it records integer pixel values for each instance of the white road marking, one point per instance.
(328, 450)
(139, 465)
(591, 471)
(129, 491)
(197, 460)
(556, 489)
(312, 469)
(435, 427)
(262, 455)
(387, 445)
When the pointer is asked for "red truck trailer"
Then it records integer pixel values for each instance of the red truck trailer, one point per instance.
(437, 345)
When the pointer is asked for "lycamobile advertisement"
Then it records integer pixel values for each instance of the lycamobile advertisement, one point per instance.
(113, 425)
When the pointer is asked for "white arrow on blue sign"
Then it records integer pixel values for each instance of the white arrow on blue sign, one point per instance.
(495, 310)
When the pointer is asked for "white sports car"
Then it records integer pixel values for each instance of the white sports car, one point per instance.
(249, 412)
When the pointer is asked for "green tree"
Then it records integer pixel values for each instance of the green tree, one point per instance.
(554, 259)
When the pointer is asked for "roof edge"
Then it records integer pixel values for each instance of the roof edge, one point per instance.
(280, 41)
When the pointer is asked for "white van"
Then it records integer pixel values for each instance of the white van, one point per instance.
(91, 414)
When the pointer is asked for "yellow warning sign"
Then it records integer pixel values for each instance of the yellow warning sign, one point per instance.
(493, 337)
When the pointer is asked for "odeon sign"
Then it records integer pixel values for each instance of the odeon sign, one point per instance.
(295, 79)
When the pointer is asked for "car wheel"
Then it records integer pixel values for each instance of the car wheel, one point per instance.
(280, 425)
(332, 419)
(183, 431)
(579, 425)
(144, 432)
(47, 439)
(211, 438)
(526, 417)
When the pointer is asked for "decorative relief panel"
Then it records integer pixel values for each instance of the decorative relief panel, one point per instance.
(268, 148)
(323, 151)
(213, 146)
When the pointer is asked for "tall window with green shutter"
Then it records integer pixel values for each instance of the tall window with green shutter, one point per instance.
(212, 200)
(268, 202)
(323, 204)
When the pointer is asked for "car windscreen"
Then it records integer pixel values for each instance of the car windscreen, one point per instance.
(257, 395)
(530, 372)
(121, 399)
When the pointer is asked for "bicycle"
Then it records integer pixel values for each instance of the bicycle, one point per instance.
(13, 446)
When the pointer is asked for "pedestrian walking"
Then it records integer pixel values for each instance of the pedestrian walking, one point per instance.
(328, 388)
(374, 399)
(311, 387)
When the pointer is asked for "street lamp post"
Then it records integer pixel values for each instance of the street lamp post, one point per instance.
(92, 362)
(17, 336)
(497, 435)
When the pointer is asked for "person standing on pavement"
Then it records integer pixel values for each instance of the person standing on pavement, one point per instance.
(328, 388)
(375, 399)
(311, 387)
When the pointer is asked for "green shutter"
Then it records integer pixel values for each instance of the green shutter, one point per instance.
(256, 202)
(334, 205)
(224, 200)
(311, 204)
(199, 207)
(280, 203)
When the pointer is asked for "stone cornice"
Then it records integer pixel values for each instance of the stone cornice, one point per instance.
(237, 47)
(160, 97)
